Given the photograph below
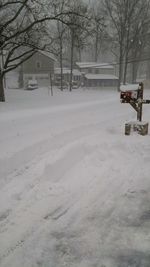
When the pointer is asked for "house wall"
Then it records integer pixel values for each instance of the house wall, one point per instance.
(38, 67)
(38, 63)
(97, 70)
(101, 71)
(101, 83)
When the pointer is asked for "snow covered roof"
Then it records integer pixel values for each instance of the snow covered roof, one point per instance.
(67, 71)
(83, 65)
(100, 77)
(47, 54)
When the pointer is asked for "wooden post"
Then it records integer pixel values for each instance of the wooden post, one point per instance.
(140, 104)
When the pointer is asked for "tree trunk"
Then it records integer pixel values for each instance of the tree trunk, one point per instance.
(61, 67)
(71, 65)
(96, 47)
(20, 79)
(51, 84)
(2, 93)
(134, 71)
(120, 68)
(135, 64)
(125, 71)
(80, 56)
(126, 52)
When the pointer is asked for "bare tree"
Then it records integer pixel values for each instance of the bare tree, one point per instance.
(115, 11)
(20, 31)
(78, 31)
(125, 22)
(97, 28)
(18, 36)
(61, 36)
(136, 35)
(57, 33)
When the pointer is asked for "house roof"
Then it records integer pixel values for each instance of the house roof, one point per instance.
(67, 71)
(100, 77)
(84, 65)
(47, 54)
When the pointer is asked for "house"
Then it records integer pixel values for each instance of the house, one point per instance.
(40, 67)
(76, 75)
(97, 74)
(100, 80)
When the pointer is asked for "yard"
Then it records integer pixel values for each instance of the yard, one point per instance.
(74, 190)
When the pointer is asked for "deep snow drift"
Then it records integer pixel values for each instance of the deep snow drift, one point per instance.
(74, 190)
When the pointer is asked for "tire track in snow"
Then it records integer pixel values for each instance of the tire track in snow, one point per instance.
(74, 155)
(65, 138)
(55, 215)
(25, 158)
(60, 212)
(69, 136)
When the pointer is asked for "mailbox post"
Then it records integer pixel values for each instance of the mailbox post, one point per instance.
(135, 99)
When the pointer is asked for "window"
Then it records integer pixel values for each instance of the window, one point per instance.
(38, 64)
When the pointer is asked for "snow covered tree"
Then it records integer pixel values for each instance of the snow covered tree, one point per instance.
(21, 30)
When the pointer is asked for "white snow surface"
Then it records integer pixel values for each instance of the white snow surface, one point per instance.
(129, 87)
(74, 190)
(100, 76)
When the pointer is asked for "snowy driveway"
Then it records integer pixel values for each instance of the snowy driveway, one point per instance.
(74, 191)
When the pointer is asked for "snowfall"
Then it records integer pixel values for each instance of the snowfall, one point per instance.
(74, 189)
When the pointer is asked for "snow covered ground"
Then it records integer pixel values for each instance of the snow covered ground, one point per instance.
(74, 190)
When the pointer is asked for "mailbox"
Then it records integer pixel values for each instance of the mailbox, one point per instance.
(135, 99)
(127, 96)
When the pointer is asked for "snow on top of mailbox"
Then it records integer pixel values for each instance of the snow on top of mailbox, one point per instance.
(129, 87)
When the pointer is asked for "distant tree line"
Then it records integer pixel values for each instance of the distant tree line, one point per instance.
(67, 28)
(129, 27)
